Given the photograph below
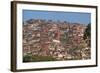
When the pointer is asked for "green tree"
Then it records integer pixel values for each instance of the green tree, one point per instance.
(87, 34)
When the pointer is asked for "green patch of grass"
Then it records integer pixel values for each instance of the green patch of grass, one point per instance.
(30, 58)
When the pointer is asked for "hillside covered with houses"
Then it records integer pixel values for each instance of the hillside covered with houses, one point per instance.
(48, 40)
